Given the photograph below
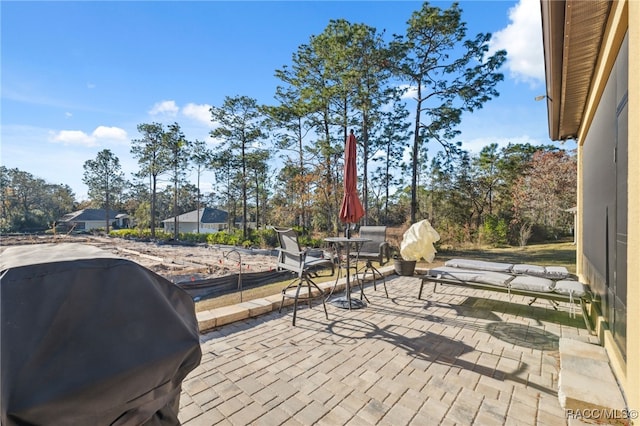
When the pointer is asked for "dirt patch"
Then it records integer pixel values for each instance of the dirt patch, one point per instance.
(174, 262)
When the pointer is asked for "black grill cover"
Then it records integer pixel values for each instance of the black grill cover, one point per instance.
(88, 338)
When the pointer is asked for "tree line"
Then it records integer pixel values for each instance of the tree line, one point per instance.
(506, 195)
(282, 163)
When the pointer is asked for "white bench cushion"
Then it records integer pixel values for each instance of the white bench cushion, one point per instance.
(551, 272)
(574, 288)
(556, 272)
(529, 283)
(526, 269)
(477, 276)
(479, 264)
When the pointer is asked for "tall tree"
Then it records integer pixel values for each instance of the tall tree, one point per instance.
(354, 64)
(201, 157)
(239, 123)
(290, 126)
(368, 58)
(105, 179)
(228, 186)
(487, 173)
(177, 151)
(149, 150)
(450, 75)
(315, 82)
(258, 170)
(392, 139)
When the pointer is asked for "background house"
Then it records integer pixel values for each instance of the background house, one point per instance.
(209, 219)
(592, 62)
(87, 219)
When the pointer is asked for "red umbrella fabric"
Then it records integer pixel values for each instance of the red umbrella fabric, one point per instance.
(351, 210)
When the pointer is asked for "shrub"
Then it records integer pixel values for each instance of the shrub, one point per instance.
(265, 238)
(143, 234)
(256, 238)
(494, 231)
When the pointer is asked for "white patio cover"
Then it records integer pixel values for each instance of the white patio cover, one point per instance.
(417, 242)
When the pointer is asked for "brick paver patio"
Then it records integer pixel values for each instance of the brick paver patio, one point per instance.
(457, 357)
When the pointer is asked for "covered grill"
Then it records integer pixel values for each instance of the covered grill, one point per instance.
(88, 338)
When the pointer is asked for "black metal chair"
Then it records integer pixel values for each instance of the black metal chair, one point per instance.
(292, 258)
(376, 249)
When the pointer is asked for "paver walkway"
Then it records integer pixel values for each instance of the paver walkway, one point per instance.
(458, 357)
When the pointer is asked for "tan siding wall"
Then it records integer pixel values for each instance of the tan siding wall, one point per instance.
(632, 385)
(625, 20)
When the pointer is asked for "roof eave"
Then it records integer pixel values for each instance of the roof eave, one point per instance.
(572, 34)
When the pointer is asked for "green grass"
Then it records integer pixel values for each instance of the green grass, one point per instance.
(256, 293)
(550, 254)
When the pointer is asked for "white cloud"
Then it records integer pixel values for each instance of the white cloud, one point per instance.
(197, 112)
(91, 86)
(68, 114)
(522, 39)
(164, 108)
(73, 137)
(110, 133)
(410, 92)
(99, 136)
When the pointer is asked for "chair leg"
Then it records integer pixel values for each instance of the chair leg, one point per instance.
(420, 292)
(361, 284)
(295, 302)
(369, 267)
(324, 305)
(284, 291)
(308, 281)
(320, 295)
(299, 284)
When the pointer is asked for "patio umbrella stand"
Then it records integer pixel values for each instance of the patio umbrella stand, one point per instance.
(343, 303)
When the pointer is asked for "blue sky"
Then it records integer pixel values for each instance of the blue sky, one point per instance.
(78, 77)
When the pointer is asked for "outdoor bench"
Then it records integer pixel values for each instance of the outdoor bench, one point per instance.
(550, 283)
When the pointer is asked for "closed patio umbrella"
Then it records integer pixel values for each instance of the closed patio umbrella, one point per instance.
(351, 210)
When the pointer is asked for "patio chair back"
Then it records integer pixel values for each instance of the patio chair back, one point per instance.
(378, 247)
(290, 256)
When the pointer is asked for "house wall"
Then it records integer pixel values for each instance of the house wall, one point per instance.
(632, 385)
(604, 161)
(206, 228)
(87, 225)
(609, 194)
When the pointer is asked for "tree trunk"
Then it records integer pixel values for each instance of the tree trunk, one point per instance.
(198, 215)
(153, 206)
(414, 159)
(175, 210)
(365, 160)
(244, 194)
(107, 207)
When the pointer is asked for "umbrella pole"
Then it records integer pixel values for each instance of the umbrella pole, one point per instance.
(348, 248)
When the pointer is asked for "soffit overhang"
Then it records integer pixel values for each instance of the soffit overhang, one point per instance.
(572, 33)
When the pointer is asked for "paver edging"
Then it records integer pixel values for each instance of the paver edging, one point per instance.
(212, 318)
